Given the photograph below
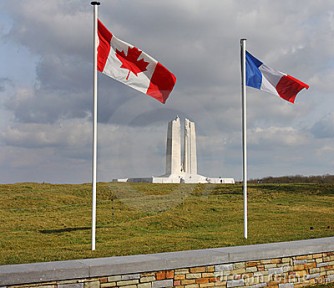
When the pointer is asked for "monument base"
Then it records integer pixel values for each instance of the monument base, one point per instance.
(178, 178)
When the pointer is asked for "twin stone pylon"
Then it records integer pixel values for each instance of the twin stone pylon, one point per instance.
(174, 164)
(180, 169)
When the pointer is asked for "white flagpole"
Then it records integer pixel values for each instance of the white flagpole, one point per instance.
(95, 4)
(244, 130)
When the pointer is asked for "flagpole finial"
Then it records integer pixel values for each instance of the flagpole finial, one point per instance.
(95, 3)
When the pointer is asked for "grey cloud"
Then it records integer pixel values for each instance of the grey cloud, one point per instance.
(199, 43)
(324, 128)
(4, 82)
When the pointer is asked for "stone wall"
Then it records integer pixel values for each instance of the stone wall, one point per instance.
(283, 265)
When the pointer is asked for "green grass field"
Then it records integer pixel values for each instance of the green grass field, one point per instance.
(45, 222)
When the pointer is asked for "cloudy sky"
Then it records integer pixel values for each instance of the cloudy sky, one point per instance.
(46, 88)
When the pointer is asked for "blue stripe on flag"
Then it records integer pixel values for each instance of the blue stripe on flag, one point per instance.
(253, 74)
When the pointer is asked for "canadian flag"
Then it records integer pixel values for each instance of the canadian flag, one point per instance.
(131, 66)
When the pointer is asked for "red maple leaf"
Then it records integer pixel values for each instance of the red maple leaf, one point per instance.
(131, 61)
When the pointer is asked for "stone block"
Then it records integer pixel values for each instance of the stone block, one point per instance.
(303, 257)
(310, 265)
(181, 271)
(169, 274)
(239, 265)
(108, 285)
(224, 267)
(260, 274)
(161, 275)
(127, 282)
(312, 276)
(287, 268)
(147, 274)
(188, 281)
(314, 270)
(252, 263)
(114, 278)
(179, 276)
(202, 280)
(163, 283)
(261, 268)
(191, 286)
(235, 283)
(251, 269)
(301, 274)
(323, 264)
(330, 278)
(239, 271)
(207, 285)
(299, 262)
(286, 285)
(273, 284)
(208, 275)
(219, 284)
(103, 280)
(298, 267)
(193, 276)
(286, 260)
(92, 284)
(130, 276)
(197, 269)
(145, 285)
(274, 271)
(147, 279)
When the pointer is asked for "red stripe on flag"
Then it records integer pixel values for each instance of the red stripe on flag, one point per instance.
(104, 46)
(288, 87)
(162, 83)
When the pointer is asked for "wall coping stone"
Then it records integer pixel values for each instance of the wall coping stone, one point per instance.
(89, 268)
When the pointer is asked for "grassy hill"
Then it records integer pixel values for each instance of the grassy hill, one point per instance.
(46, 222)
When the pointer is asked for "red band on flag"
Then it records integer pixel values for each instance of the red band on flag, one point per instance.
(162, 83)
(104, 46)
(288, 87)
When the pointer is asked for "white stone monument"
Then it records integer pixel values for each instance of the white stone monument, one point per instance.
(190, 154)
(173, 149)
(178, 171)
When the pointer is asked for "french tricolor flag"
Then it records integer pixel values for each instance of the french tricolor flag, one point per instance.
(260, 76)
